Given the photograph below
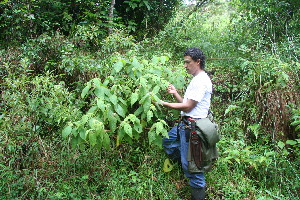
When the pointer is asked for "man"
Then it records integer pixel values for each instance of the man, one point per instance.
(195, 104)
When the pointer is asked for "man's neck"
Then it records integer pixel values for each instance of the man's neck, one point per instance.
(198, 72)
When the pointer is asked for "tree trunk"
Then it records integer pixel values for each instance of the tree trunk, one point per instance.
(111, 15)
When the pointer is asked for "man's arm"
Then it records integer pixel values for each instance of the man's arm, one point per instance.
(185, 107)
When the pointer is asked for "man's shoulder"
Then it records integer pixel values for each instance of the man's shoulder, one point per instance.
(202, 78)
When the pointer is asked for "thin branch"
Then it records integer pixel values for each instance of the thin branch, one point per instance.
(197, 6)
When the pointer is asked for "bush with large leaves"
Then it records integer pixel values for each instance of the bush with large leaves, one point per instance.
(123, 103)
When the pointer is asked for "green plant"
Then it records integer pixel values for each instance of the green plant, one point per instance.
(34, 107)
(122, 104)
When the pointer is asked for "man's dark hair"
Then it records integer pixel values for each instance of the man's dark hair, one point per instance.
(196, 54)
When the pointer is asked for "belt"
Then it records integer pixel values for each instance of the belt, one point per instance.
(187, 126)
(187, 117)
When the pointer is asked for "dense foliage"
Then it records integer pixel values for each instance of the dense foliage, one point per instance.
(79, 117)
(84, 21)
(146, 17)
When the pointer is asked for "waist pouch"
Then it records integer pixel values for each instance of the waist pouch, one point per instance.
(202, 146)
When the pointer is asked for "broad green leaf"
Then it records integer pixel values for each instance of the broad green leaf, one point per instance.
(66, 131)
(92, 109)
(78, 131)
(159, 128)
(112, 122)
(156, 99)
(114, 99)
(134, 98)
(93, 122)
(164, 59)
(100, 91)
(151, 135)
(280, 144)
(93, 138)
(132, 118)
(156, 89)
(135, 63)
(101, 105)
(149, 115)
(144, 98)
(120, 110)
(138, 127)
(106, 82)
(120, 99)
(97, 82)
(128, 129)
(118, 66)
(147, 104)
(84, 119)
(164, 133)
(230, 108)
(138, 111)
(291, 142)
(99, 126)
(158, 141)
(157, 72)
(82, 134)
(143, 82)
(167, 166)
(74, 142)
(155, 59)
(86, 90)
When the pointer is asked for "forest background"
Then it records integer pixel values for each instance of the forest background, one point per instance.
(79, 82)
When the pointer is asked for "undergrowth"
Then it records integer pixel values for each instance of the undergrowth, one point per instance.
(50, 86)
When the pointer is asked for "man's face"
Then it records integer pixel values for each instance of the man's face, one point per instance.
(191, 66)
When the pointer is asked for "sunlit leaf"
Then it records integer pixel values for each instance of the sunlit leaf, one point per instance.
(147, 103)
(280, 144)
(66, 131)
(138, 127)
(120, 110)
(159, 127)
(93, 138)
(118, 66)
(86, 90)
(100, 91)
(149, 115)
(128, 129)
(101, 105)
(135, 63)
(156, 89)
(291, 142)
(112, 122)
(97, 82)
(230, 108)
(167, 165)
(134, 97)
(138, 111)
(155, 59)
(151, 136)
(114, 99)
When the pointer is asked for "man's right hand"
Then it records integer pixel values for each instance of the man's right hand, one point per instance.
(171, 89)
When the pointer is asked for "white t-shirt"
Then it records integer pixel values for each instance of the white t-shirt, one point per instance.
(200, 90)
